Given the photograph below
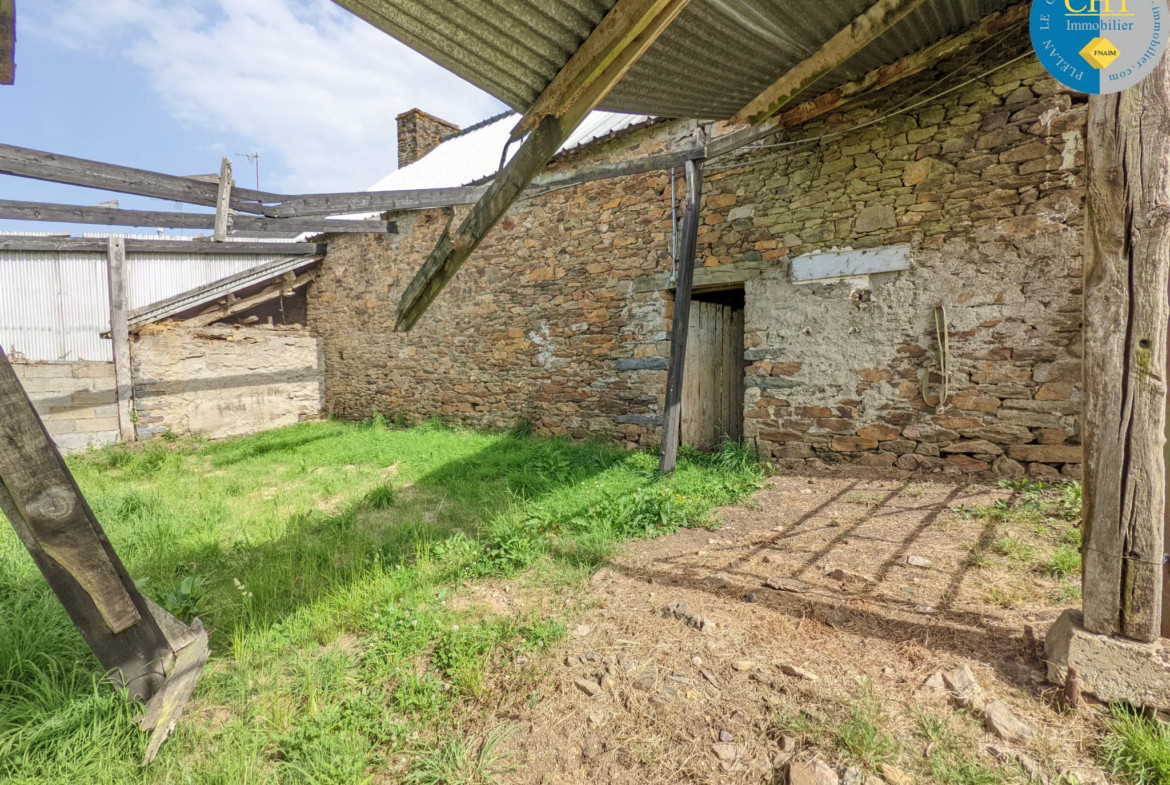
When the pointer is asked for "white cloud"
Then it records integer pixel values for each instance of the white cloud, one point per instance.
(302, 80)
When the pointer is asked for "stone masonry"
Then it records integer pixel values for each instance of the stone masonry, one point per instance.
(76, 401)
(418, 134)
(563, 314)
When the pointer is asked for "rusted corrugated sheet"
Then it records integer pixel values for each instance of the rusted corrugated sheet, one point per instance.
(717, 56)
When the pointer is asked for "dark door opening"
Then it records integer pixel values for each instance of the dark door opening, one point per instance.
(712, 396)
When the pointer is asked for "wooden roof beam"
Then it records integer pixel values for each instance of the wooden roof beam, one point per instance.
(860, 33)
(635, 25)
(113, 216)
(7, 42)
(98, 245)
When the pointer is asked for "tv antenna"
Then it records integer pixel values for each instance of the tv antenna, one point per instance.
(254, 159)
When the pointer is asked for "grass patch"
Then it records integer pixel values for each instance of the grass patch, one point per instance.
(324, 558)
(862, 734)
(1136, 749)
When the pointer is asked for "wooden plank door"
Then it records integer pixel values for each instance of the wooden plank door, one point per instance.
(712, 402)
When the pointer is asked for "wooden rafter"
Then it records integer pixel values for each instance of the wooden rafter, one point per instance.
(606, 45)
(7, 42)
(231, 306)
(452, 250)
(113, 216)
(850, 40)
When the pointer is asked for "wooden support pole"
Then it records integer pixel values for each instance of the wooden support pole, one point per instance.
(1127, 273)
(56, 525)
(118, 277)
(650, 18)
(223, 200)
(7, 42)
(672, 410)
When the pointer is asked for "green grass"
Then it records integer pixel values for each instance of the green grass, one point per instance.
(323, 558)
(1136, 749)
(862, 734)
(1037, 529)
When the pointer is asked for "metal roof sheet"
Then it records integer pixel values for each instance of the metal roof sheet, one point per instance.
(470, 156)
(717, 56)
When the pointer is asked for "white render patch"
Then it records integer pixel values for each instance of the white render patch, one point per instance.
(848, 264)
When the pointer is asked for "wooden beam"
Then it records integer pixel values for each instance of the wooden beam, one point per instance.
(7, 42)
(113, 216)
(860, 33)
(234, 306)
(220, 230)
(119, 286)
(538, 149)
(1127, 272)
(377, 201)
(672, 410)
(98, 245)
(38, 165)
(52, 519)
(608, 42)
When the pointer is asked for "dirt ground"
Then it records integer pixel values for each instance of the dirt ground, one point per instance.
(746, 678)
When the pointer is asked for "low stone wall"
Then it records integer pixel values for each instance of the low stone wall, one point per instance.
(76, 401)
(225, 381)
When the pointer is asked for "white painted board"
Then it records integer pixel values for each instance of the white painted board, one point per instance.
(844, 264)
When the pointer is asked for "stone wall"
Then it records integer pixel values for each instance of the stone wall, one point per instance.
(76, 401)
(225, 381)
(562, 315)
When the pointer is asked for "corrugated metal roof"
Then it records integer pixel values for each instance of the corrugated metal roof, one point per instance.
(470, 156)
(717, 56)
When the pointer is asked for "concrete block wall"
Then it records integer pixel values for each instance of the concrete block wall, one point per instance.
(225, 381)
(76, 400)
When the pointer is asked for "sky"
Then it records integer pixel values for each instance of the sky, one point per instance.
(174, 85)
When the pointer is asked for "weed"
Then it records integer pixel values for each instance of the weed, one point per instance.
(1135, 748)
(1065, 562)
(862, 737)
(521, 429)
(184, 602)
(380, 497)
(458, 760)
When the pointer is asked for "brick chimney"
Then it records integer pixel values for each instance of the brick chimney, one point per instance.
(418, 134)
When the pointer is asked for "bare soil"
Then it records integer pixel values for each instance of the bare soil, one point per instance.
(669, 690)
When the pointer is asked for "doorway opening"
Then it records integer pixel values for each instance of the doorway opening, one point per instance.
(713, 384)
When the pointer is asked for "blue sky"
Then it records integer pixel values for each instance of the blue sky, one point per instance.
(174, 85)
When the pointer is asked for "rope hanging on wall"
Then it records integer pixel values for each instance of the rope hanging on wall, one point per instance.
(942, 334)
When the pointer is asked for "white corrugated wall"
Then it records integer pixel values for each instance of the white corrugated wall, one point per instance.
(54, 305)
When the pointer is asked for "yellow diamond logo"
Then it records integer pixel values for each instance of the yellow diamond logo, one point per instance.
(1100, 53)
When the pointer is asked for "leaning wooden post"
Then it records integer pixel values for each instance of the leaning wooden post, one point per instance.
(40, 497)
(1127, 260)
(116, 272)
(672, 411)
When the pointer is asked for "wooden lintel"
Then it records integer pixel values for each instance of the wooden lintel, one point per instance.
(7, 42)
(113, 216)
(624, 26)
(680, 325)
(98, 245)
(858, 34)
(1127, 272)
(538, 149)
(233, 305)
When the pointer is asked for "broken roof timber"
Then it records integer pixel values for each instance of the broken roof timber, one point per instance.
(7, 42)
(113, 216)
(636, 25)
(216, 290)
(851, 39)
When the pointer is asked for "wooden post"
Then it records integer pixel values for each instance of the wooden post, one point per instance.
(7, 42)
(672, 411)
(1127, 270)
(120, 333)
(222, 202)
(52, 519)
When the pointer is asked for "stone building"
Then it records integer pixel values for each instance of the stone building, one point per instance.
(963, 186)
